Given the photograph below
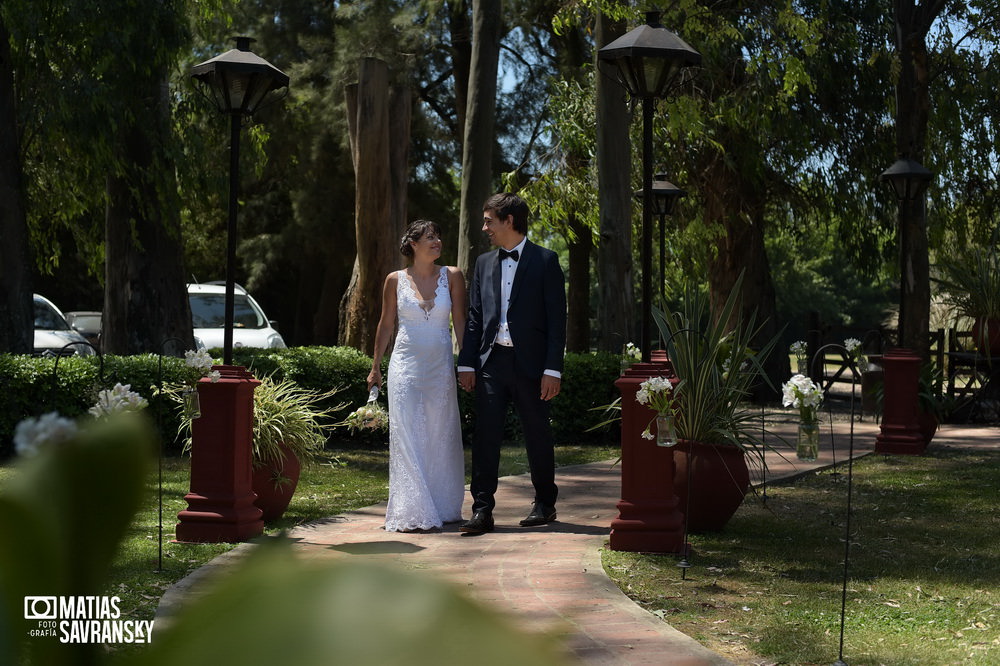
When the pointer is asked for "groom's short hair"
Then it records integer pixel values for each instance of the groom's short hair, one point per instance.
(504, 204)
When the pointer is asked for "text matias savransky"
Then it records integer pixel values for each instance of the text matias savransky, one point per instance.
(84, 619)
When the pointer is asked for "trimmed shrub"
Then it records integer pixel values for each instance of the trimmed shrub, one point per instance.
(34, 386)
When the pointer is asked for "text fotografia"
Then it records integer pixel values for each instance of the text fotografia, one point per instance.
(84, 619)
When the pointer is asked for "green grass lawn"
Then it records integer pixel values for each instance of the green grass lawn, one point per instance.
(922, 587)
(923, 582)
(342, 480)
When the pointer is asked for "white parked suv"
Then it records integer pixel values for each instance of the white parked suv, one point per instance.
(251, 327)
(53, 334)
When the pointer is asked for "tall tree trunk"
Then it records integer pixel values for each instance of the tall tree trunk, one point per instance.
(578, 301)
(480, 121)
(731, 205)
(145, 299)
(16, 309)
(461, 59)
(374, 231)
(400, 103)
(616, 303)
(912, 113)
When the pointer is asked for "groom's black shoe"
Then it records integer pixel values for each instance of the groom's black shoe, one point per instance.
(540, 515)
(481, 521)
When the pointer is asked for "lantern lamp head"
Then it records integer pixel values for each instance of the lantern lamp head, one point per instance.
(239, 80)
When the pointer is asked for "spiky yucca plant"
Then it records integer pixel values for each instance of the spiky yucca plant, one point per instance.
(718, 368)
(971, 282)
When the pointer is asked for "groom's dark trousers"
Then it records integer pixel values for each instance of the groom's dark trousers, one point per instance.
(536, 319)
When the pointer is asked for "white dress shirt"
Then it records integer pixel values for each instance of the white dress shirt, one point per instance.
(508, 267)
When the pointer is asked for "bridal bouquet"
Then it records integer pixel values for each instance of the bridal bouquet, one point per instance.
(370, 416)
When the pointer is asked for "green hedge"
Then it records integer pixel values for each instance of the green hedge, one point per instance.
(34, 386)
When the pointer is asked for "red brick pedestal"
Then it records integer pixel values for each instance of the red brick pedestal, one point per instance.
(900, 430)
(221, 502)
(649, 518)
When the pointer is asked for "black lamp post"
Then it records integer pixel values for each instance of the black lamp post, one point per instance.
(238, 81)
(909, 180)
(648, 59)
(665, 196)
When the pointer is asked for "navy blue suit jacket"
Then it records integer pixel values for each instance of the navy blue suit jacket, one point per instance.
(536, 315)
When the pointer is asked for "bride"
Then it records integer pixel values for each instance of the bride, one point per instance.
(426, 463)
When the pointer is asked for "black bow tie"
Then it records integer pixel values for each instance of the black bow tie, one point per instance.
(504, 254)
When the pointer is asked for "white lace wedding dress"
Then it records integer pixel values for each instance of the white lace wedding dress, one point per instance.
(426, 463)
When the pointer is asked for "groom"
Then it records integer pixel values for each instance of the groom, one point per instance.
(513, 353)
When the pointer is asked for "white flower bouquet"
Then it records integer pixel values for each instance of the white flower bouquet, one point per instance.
(370, 416)
(116, 401)
(199, 364)
(856, 352)
(34, 434)
(658, 394)
(803, 394)
(801, 359)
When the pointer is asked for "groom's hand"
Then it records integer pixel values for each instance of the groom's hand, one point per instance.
(550, 387)
(467, 380)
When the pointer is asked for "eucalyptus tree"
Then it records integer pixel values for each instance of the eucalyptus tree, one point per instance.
(593, 146)
(298, 246)
(556, 171)
(296, 242)
(480, 123)
(15, 275)
(616, 301)
(145, 300)
(94, 108)
(915, 82)
(941, 48)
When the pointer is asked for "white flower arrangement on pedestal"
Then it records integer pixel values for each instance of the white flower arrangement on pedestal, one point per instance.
(201, 363)
(658, 394)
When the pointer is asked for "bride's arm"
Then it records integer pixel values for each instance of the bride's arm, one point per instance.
(386, 322)
(459, 302)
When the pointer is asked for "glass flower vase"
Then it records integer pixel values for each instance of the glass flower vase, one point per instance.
(807, 445)
(666, 435)
(192, 403)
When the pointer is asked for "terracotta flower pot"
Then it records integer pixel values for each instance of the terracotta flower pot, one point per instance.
(719, 480)
(986, 336)
(275, 484)
(928, 424)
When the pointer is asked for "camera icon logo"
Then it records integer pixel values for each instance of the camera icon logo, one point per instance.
(40, 608)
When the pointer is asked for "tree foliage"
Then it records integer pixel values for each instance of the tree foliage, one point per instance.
(780, 135)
